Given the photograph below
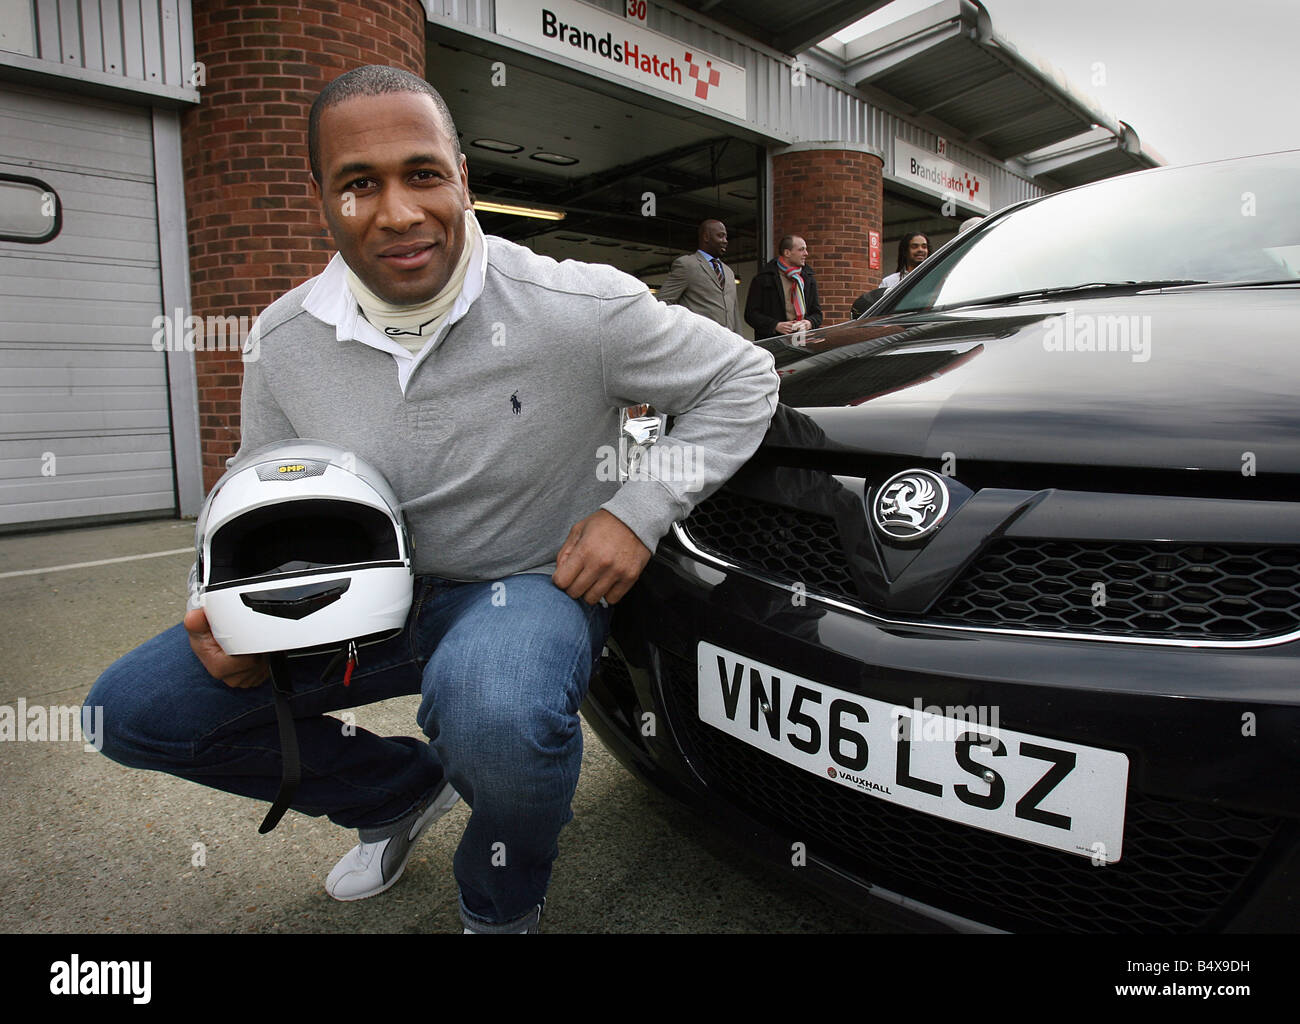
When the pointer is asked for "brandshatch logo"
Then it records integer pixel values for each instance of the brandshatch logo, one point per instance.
(620, 52)
(597, 38)
(702, 85)
(955, 180)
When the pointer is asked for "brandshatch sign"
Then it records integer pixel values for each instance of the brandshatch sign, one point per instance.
(939, 176)
(617, 47)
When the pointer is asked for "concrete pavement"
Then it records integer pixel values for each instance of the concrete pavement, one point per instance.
(89, 846)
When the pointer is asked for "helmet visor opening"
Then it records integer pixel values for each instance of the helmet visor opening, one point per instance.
(301, 536)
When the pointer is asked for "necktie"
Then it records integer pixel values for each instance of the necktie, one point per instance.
(717, 268)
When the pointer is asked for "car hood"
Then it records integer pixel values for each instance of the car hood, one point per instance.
(1185, 379)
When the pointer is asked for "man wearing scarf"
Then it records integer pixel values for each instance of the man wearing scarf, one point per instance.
(484, 382)
(783, 295)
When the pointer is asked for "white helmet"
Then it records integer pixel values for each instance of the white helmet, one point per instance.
(302, 545)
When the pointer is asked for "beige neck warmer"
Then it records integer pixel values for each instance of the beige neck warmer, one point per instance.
(412, 326)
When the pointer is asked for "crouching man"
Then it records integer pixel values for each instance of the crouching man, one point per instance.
(485, 383)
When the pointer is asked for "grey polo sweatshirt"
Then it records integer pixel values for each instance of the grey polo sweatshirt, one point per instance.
(505, 434)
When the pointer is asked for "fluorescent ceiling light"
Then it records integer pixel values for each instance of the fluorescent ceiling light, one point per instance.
(488, 206)
(497, 146)
(559, 159)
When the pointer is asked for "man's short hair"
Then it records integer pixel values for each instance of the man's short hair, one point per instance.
(786, 244)
(371, 80)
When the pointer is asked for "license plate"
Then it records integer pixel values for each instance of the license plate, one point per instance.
(966, 769)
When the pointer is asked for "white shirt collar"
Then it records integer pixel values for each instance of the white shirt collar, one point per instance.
(332, 302)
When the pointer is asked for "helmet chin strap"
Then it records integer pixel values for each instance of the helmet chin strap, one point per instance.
(292, 770)
(292, 763)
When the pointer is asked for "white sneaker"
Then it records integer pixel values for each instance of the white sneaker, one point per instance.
(370, 868)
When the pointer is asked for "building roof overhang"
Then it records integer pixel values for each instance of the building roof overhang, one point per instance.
(1090, 157)
(790, 27)
(946, 63)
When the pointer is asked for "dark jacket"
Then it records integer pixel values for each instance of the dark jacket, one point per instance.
(865, 301)
(765, 305)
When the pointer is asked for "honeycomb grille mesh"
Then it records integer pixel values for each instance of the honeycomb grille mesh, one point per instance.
(787, 545)
(1175, 591)
(1167, 590)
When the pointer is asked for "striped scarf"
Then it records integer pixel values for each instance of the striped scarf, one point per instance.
(795, 274)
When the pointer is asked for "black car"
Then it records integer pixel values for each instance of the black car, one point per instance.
(1001, 625)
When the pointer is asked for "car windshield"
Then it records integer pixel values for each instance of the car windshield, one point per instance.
(1227, 222)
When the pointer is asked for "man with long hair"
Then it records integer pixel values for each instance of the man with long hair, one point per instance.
(913, 248)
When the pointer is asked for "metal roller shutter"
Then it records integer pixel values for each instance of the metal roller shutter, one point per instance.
(84, 415)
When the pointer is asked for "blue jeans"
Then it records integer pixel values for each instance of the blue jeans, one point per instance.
(502, 667)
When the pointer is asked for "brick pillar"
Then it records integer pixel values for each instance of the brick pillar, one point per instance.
(830, 194)
(254, 232)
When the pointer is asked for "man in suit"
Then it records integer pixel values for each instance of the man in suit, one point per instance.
(783, 295)
(702, 283)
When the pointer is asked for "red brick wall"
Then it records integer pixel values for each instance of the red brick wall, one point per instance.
(254, 231)
(831, 198)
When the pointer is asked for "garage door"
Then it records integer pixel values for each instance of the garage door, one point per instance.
(84, 422)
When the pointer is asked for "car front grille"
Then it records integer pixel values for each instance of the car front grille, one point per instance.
(1159, 590)
(1182, 861)
(787, 545)
(1174, 590)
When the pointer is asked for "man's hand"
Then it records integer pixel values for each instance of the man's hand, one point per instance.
(601, 557)
(241, 671)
